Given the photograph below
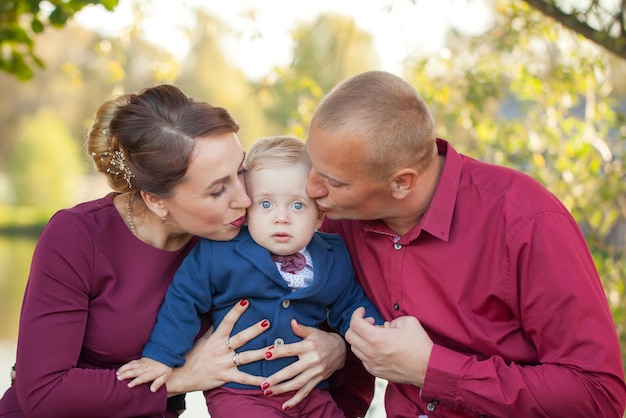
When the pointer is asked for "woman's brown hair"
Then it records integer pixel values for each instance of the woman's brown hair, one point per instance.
(155, 134)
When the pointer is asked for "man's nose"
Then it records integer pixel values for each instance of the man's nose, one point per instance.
(315, 187)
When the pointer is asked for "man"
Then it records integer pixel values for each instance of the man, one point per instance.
(494, 303)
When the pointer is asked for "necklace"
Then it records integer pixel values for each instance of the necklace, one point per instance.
(131, 218)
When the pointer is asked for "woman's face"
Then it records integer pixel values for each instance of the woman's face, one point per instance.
(211, 200)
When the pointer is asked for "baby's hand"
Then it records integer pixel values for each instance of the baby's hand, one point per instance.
(143, 371)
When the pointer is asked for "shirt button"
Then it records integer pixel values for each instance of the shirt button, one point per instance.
(432, 405)
(396, 306)
(278, 342)
(286, 303)
(397, 246)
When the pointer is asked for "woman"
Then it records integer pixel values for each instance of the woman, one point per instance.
(100, 270)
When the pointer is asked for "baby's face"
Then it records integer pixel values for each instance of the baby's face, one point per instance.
(281, 218)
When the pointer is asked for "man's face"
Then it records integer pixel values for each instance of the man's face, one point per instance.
(339, 181)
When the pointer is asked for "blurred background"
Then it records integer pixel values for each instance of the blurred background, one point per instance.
(539, 86)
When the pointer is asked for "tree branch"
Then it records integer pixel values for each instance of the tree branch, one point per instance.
(616, 45)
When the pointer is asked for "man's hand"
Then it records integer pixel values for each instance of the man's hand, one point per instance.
(399, 351)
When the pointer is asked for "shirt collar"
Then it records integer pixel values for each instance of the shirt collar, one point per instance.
(437, 219)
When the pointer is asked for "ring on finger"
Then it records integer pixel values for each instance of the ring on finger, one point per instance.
(228, 344)
(236, 360)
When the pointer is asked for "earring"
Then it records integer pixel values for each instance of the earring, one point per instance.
(162, 219)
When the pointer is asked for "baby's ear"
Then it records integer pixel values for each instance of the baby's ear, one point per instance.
(320, 219)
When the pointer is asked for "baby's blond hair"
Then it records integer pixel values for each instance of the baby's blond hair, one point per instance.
(275, 151)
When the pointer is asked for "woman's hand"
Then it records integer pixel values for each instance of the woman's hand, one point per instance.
(211, 361)
(319, 354)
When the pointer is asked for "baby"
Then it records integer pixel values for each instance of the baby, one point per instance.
(280, 264)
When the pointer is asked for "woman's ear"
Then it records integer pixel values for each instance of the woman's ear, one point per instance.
(403, 182)
(154, 203)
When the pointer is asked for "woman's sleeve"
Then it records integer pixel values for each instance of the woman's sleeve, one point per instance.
(50, 381)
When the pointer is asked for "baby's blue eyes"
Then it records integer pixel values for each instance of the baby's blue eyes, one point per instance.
(266, 204)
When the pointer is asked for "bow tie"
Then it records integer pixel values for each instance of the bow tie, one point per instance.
(290, 263)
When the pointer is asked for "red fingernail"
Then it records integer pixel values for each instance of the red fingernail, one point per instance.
(243, 302)
(285, 408)
(270, 347)
(265, 385)
(265, 323)
(268, 393)
(268, 355)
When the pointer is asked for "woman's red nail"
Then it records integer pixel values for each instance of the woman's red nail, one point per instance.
(265, 323)
(270, 347)
(268, 393)
(265, 385)
(268, 355)
(243, 302)
(285, 408)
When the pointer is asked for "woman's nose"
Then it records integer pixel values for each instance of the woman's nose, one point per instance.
(242, 200)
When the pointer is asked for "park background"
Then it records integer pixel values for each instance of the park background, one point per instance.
(510, 82)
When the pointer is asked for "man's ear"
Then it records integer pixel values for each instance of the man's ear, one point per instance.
(403, 183)
(154, 203)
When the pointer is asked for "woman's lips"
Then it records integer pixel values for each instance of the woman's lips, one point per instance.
(239, 221)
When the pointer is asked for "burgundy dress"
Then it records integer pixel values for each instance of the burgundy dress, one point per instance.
(91, 300)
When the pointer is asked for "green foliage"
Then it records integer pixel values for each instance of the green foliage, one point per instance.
(46, 165)
(600, 21)
(22, 20)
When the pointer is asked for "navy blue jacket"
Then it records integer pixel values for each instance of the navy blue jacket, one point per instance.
(218, 274)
